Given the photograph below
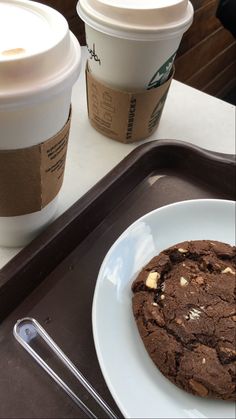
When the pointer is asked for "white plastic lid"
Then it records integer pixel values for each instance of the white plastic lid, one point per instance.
(137, 19)
(37, 51)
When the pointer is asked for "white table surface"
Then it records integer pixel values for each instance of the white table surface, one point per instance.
(189, 115)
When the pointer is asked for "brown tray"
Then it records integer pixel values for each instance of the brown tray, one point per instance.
(53, 278)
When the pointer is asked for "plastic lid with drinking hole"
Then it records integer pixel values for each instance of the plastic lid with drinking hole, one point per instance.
(37, 51)
(137, 19)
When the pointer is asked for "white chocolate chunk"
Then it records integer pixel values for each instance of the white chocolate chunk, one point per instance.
(152, 280)
(163, 286)
(194, 314)
(183, 281)
(180, 250)
(228, 270)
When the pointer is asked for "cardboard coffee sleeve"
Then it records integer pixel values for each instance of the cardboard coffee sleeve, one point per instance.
(122, 115)
(31, 177)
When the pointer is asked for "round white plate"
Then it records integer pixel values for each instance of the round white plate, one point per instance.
(137, 386)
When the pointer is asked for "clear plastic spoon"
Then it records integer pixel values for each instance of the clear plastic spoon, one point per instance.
(31, 335)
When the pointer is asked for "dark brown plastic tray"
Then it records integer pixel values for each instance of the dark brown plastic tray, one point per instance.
(53, 278)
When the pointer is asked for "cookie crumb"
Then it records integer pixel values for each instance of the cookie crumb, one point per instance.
(199, 280)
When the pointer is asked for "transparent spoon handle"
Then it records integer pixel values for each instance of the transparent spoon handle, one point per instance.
(31, 335)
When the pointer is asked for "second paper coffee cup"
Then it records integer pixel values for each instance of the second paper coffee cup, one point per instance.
(39, 63)
(132, 44)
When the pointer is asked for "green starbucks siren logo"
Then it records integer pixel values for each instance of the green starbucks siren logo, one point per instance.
(162, 74)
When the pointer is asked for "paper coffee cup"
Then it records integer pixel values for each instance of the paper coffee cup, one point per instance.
(39, 63)
(132, 44)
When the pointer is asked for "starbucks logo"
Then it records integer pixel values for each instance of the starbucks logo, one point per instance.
(162, 73)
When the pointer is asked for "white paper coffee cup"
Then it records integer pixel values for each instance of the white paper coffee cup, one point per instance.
(40, 61)
(132, 44)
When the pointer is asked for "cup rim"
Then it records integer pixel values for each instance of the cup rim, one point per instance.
(136, 33)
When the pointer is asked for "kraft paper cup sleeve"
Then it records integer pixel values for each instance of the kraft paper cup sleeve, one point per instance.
(122, 115)
(30, 178)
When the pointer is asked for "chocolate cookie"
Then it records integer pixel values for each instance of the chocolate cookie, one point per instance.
(184, 306)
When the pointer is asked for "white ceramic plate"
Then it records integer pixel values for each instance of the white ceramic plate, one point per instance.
(137, 386)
